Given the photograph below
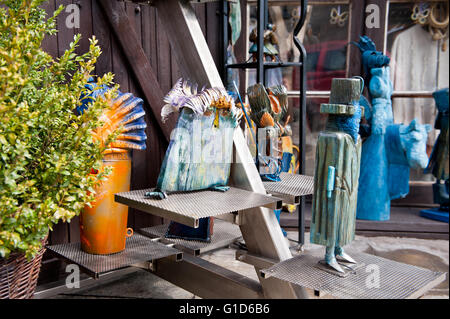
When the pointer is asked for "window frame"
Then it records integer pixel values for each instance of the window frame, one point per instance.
(353, 66)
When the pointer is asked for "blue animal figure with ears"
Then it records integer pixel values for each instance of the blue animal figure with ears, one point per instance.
(371, 58)
(390, 150)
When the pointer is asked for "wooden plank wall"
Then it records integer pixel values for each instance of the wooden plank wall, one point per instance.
(146, 164)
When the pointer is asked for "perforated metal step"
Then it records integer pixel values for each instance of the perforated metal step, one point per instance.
(224, 234)
(291, 187)
(188, 207)
(138, 249)
(378, 278)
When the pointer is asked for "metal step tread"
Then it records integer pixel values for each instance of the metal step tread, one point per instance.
(291, 187)
(224, 234)
(138, 249)
(378, 278)
(188, 207)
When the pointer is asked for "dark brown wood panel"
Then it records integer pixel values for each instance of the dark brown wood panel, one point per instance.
(86, 28)
(102, 32)
(377, 34)
(61, 231)
(200, 12)
(356, 27)
(119, 67)
(50, 42)
(86, 31)
(65, 34)
(133, 11)
(213, 29)
(163, 57)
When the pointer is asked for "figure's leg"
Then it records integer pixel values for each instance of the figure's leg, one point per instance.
(339, 251)
(278, 213)
(330, 259)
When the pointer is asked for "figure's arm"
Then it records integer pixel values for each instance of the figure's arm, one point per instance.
(330, 180)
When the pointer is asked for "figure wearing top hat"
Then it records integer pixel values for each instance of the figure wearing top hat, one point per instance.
(336, 175)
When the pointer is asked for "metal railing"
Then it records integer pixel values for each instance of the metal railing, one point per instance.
(395, 94)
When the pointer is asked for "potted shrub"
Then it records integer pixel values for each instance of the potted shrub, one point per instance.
(46, 149)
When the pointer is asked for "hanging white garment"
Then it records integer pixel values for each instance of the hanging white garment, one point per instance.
(418, 64)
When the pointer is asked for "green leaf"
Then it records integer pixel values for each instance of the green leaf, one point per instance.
(46, 150)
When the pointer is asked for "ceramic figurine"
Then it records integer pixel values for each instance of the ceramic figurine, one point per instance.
(405, 148)
(126, 112)
(200, 149)
(205, 127)
(371, 58)
(389, 151)
(439, 161)
(103, 224)
(336, 172)
(270, 41)
(268, 108)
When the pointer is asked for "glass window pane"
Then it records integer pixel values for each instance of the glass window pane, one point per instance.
(419, 62)
(419, 58)
(325, 40)
(315, 122)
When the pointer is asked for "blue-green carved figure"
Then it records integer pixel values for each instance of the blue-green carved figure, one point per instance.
(200, 150)
(374, 200)
(337, 171)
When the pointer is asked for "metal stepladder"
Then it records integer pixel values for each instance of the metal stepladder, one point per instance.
(246, 204)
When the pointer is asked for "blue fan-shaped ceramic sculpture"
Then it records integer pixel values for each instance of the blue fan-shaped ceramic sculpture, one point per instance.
(126, 113)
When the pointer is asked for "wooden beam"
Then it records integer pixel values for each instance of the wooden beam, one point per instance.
(207, 280)
(138, 61)
(356, 26)
(186, 36)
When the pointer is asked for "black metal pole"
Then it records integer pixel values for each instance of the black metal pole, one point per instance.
(266, 13)
(260, 51)
(302, 130)
(225, 41)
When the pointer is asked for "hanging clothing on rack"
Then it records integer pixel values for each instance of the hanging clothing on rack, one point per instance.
(418, 64)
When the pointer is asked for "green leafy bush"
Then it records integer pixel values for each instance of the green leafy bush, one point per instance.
(46, 150)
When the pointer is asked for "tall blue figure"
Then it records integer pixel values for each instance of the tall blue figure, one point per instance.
(373, 197)
(391, 149)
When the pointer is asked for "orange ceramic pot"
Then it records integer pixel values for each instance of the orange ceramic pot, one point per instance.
(103, 227)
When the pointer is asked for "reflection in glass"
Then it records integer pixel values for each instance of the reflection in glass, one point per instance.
(326, 40)
(419, 62)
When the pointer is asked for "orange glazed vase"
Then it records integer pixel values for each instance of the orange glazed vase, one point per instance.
(103, 227)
